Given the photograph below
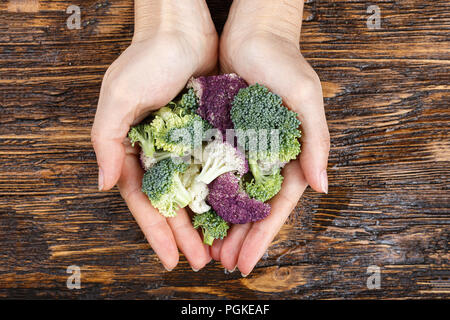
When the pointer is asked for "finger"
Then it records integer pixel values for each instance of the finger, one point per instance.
(110, 128)
(262, 232)
(215, 249)
(231, 246)
(153, 225)
(189, 240)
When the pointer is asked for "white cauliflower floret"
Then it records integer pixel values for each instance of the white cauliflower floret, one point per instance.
(198, 191)
(190, 174)
(219, 158)
(147, 162)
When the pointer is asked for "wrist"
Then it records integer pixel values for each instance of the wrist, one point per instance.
(162, 16)
(282, 19)
(186, 22)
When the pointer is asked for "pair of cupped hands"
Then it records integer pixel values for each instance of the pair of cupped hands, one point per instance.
(172, 42)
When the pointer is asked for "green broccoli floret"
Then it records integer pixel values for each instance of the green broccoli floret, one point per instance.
(163, 186)
(175, 132)
(213, 226)
(264, 185)
(142, 133)
(189, 102)
(257, 110)
(269, 132)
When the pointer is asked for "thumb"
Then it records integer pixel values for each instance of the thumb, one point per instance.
(314, 155)
(304, 96)
(109, 130)
(315, 136)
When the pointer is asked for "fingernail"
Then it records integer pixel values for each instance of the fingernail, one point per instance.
(244, 275)
(324, 181)
(229, 271)
(167, 269)
(195, 270)
(100, 179)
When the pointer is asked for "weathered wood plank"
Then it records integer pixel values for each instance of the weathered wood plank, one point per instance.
(387, 102)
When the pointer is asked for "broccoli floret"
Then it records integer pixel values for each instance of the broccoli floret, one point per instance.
(233, 204)
(215, 94)
(213, 226)
(220, 157)
(163, 186)
(256, 109)
(189, 102)
(269, 132)
(142, 133)
(149, 155)
(264, 185)
(175, 132)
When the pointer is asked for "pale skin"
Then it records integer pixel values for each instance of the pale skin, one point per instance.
(260, 42)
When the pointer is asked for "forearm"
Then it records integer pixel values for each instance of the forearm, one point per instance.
(153, 16)
(280, 17)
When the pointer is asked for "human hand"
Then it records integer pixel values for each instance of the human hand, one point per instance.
(260, 42)
(172, 42)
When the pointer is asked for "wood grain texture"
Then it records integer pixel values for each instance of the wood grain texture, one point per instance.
(387, 103)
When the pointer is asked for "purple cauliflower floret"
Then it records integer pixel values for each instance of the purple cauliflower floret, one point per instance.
(233, 204)
(215, 94)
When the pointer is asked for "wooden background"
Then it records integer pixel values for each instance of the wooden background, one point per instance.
(387, 103)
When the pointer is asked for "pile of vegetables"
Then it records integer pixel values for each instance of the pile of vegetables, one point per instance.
(219, 150)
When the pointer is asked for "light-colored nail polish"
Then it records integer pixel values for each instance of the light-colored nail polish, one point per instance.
(100, 179)
(324, 181)
(229, 271)
(195, 270)
(243, 275)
